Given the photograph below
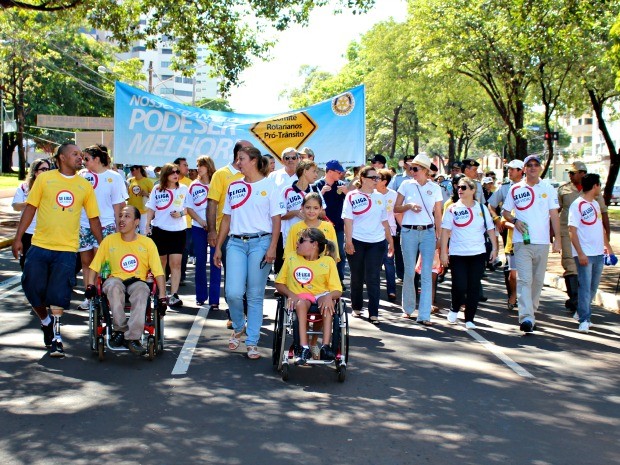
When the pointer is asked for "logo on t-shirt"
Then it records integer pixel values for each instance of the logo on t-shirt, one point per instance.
(65, 199)
(303, 275)
(135, 190)
(588, 213)
(199, 193)
(238, 193)
(462, 216)
(360, 203)
(293, 199)
(129, 263)
(92, 178)
(523, 197)
(163, 199)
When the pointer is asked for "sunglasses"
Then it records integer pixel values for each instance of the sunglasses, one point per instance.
(286, 158)
(414, 169)
(532, 165)
(302, 240)
(374, 178)
(175, 172)
(463, 187)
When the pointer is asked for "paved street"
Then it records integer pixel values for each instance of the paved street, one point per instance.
(412, 395)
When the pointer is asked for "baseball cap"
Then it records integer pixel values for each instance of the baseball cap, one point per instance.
(487, 180)
(578, 166)
(518, 164)
(308, 151)
(530, 158)
(378, 158)
(334, 165)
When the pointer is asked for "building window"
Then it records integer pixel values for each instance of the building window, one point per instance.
(178, 79)
(183, 93)
(166, 91)
(165, 64)
(165, 77)
(587, 139)
(166, 51)
(139, 48)
(588, 121)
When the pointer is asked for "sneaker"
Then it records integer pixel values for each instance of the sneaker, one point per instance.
(584, 327)
(48, 334)
(304, 356)
(174, 301)
(56, 350)
(316, 352)
(84, 305)
(576, 316)
(527, 326)
(470, 325)
(135, 347)
(452, 317)
(483, 298)
(117, 339)
(327, 353)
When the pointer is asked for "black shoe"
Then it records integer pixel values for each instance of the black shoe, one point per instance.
(483, 298)
(135, 347)
(56, 350)
(327, 353)
(306, 354)
(392, 297)
(48, 334)
(117, 339)
(527, 326)
(174, 301)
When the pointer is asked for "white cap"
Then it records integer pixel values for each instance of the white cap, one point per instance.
(487, 180)
(515, 164)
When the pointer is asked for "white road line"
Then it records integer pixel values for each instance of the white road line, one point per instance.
(510, 363)
(9, 282)
(11, 292)
(187, 352)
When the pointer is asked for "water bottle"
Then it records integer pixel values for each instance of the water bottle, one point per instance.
(105, 270)
(526, 235)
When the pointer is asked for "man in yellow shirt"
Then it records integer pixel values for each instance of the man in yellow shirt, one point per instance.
(130, 256)
(57, 197)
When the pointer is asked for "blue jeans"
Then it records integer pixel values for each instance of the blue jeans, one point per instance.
(365, 265)
(425, 242)
(199, 237)
(589, 277)
(244, 275)
(390, 273)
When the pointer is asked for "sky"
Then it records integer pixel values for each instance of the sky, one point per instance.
(322, 43)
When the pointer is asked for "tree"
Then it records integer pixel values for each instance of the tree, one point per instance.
(215, 104)
(220, 25)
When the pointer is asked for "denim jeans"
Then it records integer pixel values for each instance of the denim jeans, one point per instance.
(365, 265)
(425, 242)
(390, 273)
(589, 277)
(244, 275)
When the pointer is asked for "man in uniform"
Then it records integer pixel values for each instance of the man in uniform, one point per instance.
(469, 167)
(567, 194)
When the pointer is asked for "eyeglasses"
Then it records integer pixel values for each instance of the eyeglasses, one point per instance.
(463, 187)
(303, 239)
(287, 158)
(175, 172)
(374, 178)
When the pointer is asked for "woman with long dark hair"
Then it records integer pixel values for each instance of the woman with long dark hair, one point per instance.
(139, 189)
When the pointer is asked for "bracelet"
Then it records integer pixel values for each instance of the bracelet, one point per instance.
(495, 218)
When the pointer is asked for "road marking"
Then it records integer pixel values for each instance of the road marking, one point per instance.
(9, 282)
(187, 352)
(11, 292)
(510, 363)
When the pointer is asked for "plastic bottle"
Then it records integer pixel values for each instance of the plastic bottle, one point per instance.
(105, 270)
(526, 235)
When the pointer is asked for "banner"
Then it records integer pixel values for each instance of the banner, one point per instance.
(150, 130)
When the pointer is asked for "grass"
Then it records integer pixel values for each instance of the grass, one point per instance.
(9, 180)
(614, 213)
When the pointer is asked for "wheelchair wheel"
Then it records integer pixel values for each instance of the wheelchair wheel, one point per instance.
(279, 332)
(284, 373)
(92, 327)
(150, 348)
(340, 336)
(342, 373)
(101, 348)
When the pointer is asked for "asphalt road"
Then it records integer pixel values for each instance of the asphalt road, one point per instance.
(413, 395)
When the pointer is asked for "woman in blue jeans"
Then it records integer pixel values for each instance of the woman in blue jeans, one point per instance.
(367, 236)
(251, 221)
(419, 199)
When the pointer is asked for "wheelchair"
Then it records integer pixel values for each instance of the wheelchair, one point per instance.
(286, 338)
(100, 323)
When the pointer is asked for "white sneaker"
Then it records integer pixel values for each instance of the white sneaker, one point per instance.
(316, 352)
(576, 316)
(452, 317)
(84, 305)
(470, 325)
(584, 327)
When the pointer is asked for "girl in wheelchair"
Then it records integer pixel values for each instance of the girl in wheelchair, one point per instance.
(309, 279)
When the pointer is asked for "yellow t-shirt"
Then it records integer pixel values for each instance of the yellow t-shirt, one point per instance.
(293, 236)
(135, 198)
(219, 187)
(59, 200)
(128, 259)
(312, 276)
(187, 182)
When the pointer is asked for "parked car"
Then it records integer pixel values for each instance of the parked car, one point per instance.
(615, 195)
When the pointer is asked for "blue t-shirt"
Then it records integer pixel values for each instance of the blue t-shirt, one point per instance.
(334, 202)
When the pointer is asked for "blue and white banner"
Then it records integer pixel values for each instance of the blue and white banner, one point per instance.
(150, 130)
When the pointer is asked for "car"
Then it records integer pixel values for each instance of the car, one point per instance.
(615, 195)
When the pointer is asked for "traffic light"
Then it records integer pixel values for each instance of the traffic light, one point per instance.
(552, 135)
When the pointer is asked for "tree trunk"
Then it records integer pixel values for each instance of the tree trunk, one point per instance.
(549, 143)
(20, 118)
(451, 147)
(614, 157)
(395, 130)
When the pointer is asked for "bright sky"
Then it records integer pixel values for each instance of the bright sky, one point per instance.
(322, 43)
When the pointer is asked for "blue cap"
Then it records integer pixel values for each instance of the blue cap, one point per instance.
(532, 157)
(334, 165)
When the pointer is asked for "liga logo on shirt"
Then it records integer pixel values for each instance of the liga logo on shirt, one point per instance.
(129, 263)
(92, 178)
(523, 197)
(135, 190)
(360, 203)
(303, 275)
(588, 213)
(293, 199)
(462, 216)
(65, 199)
(238, 193)
(163, 199)
(199, 193)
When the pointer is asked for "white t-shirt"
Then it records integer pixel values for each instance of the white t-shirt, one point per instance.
(110, 189)
(586, 217)
(367, 212)
(531, 205)
(252, 205)
(282, 179)
(467, 228)
(21, 193)
(390, 201)
(165, 202)
(293, 199)
(198, 193)
(425, 196)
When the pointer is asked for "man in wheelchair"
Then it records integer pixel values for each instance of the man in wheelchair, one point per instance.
(306, 279)
(130, 257)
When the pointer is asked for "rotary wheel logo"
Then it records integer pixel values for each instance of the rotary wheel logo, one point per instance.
(343, 104)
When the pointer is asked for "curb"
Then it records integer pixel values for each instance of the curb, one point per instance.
(606, 300)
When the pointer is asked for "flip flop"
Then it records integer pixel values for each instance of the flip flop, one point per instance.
(426, 323)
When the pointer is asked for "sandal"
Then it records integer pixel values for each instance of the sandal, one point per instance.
(407, 316)
(356, 312)
(426, 323)
(434, 310)
(374, 320)
(253, 353)
(235, 339)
